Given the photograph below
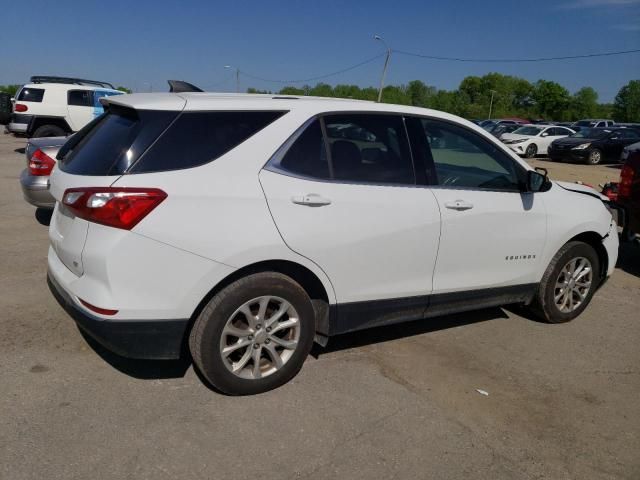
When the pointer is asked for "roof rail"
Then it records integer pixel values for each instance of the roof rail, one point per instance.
(180, 86)
(69, 80)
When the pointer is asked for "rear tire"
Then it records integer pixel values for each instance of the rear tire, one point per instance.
(49, 131)
(595, 157)
(247, 353)
(531, 151)
(563, 295)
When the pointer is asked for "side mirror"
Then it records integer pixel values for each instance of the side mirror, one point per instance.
(614, 138)
(544, 134)
(537, 181)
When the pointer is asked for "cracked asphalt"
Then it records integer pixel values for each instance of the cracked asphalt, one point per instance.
(397, 402)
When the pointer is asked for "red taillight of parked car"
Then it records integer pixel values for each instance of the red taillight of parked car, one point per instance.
(626, 179)
(101, 311)
(41, 164)
(20, 108)
(115, 207)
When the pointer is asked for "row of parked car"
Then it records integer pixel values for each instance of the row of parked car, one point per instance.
(590, 141)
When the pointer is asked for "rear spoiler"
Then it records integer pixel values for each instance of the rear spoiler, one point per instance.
(180, 86)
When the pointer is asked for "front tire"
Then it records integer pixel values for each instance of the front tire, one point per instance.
(253, 335)
(531, 151)
(568, 284)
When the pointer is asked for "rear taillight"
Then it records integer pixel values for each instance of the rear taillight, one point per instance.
(115, 207)
(626, 179)
(41, 164)
(20, 108)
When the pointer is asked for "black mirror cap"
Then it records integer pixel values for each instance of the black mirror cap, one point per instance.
(538, 180)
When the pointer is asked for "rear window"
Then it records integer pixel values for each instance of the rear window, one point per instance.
(196, 138)
(80, 98)
(113, 142)
(31, 95)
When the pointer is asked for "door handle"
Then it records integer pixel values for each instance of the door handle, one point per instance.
(311, 200)
(459, 205)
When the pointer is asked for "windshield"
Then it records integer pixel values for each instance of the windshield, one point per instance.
(488, 125)
(531, 131)
(595, 133)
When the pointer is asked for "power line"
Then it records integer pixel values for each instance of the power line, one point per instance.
(319, 77)
(514, 60)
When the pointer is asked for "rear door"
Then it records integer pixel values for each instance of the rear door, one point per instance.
(80, 107)
(348, 201)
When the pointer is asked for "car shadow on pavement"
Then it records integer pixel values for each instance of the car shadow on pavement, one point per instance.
(43, 216)
(629, 258)
(402, 330)
(20, 150)
(140, 369)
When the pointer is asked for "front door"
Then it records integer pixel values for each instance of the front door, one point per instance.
(492, 233)
(344, 195)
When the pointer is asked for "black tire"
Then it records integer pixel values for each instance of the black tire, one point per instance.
(49, 131)
(543, 305)
(206, 334)
(595, 157)
(531, 151)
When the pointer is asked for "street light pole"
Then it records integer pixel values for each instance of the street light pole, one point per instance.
(491, 103)
(386, 64)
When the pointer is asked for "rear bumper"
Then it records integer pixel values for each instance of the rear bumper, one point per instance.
(15, 127)
(144, 339)
(35, 190)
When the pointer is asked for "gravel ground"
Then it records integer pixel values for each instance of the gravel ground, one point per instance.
(398, 402)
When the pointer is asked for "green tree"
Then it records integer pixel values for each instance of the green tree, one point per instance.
(124, 89)
(626, 106)
(420, 95)
(551, 99)
(10, 89)
(584, 104)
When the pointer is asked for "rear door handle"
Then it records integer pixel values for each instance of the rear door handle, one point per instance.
(459, 205)
(311, 200)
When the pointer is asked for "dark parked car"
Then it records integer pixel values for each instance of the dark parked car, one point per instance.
(629, 195)
(593, 145)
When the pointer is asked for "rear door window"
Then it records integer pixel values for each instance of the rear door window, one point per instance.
(31, 95)
(196, 138)
(80, 98)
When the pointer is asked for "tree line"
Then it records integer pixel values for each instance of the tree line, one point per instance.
(512, 97)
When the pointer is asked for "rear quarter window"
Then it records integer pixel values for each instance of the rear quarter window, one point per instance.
(196, 138)
(31, 95)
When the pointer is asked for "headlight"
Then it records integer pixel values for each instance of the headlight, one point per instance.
(520, 140)
(582, 147)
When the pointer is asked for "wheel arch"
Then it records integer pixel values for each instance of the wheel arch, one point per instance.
(594, 240)
(40, 120)
(319, 294)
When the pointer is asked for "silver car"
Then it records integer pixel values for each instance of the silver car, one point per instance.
(34, 180)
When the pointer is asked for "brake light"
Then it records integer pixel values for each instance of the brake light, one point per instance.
(101, 311)
(626, 179)
(41, 164)
(20, 107)
(112, 206)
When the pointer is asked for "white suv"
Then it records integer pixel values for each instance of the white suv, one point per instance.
(57, 106)
(245, 226)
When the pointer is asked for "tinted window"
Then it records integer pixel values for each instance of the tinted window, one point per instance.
(307, 156)
(112, 142)
(629, 134)
(464, 159)
(80, 98)
(369, 148)
(31, 95)
(533, 131)
(196, 138)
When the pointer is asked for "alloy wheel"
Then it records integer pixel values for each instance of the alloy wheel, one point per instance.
(573, 284)
(260, 337)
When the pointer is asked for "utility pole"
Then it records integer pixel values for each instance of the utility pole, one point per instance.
(237, 77)
(491, 103)
(384, 69)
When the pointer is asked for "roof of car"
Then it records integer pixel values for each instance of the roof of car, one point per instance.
(67, 86)
(248, 101)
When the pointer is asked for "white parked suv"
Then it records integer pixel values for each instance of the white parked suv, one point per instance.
(57, 106)
(241, 227)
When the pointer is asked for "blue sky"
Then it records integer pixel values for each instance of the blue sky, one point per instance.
(139, 43)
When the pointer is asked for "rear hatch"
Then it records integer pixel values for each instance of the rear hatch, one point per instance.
(97, 156)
